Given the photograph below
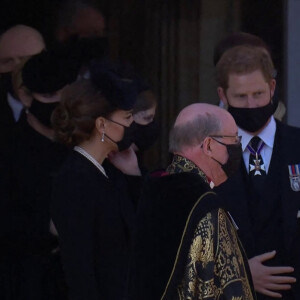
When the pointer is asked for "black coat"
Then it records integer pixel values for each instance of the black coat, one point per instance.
(93, 216)
(236, 193)
(35, 161)
(25, 241)
(7, 120)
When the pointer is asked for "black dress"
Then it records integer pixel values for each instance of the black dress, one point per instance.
(93, 216)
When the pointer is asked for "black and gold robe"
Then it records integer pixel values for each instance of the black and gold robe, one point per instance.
(185, 246)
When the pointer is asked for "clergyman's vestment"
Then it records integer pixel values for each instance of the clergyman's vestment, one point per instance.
(185, 245)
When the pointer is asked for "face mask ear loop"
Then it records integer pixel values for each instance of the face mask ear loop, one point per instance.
(117, 123)
(271, 98)
(227, 104)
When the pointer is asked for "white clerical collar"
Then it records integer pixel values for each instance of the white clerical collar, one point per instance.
(15, 105)
(90, 158)
(267, 135)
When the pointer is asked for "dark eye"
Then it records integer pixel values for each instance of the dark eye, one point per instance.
(49, 95)
(241, 96)
(5, 61)
(257, 94)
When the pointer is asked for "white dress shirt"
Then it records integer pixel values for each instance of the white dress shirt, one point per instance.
(267, 136)
(15, 105)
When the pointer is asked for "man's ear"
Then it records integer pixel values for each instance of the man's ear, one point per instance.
(206, 146)
(272, 87)
(222, 96)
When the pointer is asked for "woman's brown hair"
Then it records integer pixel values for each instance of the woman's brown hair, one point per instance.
(73, 120)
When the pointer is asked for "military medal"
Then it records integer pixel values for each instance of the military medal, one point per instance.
(294, 177)
(257, 166)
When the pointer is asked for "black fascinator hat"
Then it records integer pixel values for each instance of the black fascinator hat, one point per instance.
(119, 89)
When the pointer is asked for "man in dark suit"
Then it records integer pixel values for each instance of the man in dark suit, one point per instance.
(17, 44)
(263, 197)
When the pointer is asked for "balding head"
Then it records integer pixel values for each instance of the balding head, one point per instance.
(18, 43)
(201, 133)
(195, 122)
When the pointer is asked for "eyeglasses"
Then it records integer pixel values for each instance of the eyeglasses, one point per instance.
(238, 138)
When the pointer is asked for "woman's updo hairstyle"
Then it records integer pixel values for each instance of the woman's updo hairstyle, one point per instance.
(82, 103)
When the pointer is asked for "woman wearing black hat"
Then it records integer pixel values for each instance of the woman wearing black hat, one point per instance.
(92, 213)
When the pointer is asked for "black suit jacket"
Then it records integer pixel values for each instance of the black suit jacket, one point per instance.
(236, 192)
(93, 217)
(7, 120)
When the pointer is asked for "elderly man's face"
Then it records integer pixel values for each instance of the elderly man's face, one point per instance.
(228, 136)
(225, 149)
(16, 45)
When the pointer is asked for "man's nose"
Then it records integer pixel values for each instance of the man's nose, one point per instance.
(251, 102)
(15, 62)
(18, 60)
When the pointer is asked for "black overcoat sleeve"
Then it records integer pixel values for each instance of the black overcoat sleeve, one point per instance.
(74, 219)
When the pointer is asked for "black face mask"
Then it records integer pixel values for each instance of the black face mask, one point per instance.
(127, 139)
(252, 119)
(234, 158)
(42, 111)
(144, 136)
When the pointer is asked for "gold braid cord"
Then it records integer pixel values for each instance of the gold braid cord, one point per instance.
(215, 266)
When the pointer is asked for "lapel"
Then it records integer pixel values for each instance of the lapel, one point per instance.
(272, 185)
(7, 117)
(283, 155)
(236, 193)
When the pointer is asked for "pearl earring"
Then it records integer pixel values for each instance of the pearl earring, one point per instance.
(102, 137)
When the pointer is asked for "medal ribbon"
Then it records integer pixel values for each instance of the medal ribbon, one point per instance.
(294, 170)
(259, 148)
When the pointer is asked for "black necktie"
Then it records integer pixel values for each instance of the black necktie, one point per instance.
(257, 175)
